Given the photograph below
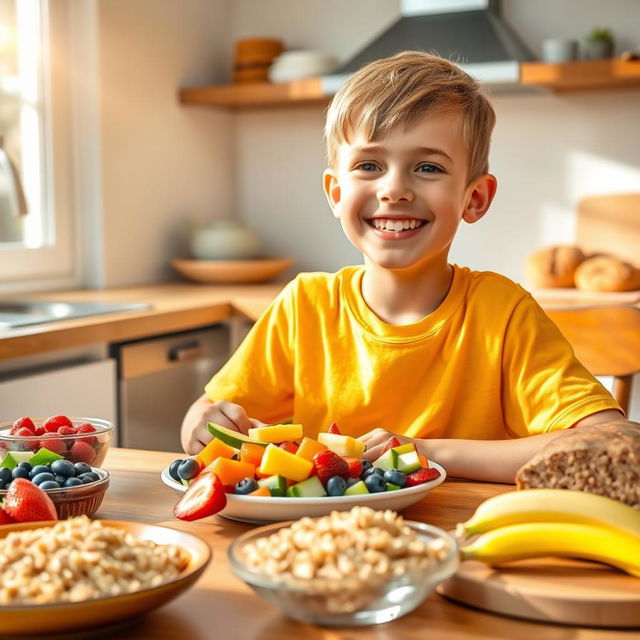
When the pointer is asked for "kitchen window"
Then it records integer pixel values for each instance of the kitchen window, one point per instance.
(36, 244)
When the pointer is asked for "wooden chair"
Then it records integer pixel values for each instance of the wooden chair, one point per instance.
(606, 340)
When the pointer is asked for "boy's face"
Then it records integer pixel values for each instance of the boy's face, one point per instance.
(400, 199)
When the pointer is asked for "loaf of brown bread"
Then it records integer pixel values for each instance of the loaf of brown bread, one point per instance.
(603, 460)
(553, 266)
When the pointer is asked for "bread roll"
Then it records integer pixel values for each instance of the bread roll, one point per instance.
(603, 460)
(553, 266)
(606, 273)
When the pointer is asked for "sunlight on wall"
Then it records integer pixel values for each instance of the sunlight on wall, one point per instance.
(589, 174)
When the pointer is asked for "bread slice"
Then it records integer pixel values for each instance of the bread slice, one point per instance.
(603, 460)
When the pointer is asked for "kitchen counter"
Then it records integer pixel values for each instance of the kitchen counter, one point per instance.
(220, 604)
(174, 307)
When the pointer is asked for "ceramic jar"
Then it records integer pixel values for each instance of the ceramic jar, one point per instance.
(224, 240)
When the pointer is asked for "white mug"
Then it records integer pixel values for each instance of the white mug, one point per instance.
(559, 50)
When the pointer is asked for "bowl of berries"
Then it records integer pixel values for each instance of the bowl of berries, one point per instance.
(74, 439)
(75, 489)
(275, 473)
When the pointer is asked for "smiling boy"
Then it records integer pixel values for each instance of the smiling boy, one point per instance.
(463, 363)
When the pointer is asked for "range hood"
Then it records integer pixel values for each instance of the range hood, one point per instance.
(468, 32)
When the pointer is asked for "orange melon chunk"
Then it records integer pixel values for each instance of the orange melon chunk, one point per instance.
(214, 449)
(309, 447)
(231, 471)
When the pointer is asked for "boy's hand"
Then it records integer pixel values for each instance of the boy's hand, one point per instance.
(376, 439)
(194, 433)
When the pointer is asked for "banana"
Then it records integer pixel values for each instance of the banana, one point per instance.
(537, 539)
(551, 505)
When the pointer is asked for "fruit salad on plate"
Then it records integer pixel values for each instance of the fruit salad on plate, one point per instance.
(278, 461)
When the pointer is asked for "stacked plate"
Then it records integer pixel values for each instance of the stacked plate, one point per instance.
(293, 65)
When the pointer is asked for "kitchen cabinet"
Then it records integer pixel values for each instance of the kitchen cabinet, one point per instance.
(585, 75)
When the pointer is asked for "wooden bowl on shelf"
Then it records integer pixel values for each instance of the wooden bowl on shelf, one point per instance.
(231, 271)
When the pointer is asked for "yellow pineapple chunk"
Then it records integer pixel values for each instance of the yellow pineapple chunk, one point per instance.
(342, 445)
(276, 432)
(276, 461)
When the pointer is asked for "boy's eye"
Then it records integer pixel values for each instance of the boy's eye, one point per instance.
(428, 168)
(367, 166)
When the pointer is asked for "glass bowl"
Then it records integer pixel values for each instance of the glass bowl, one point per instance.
(85, 499)
(340, 603)
(66, 445)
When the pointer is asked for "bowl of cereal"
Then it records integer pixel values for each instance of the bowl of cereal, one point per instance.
(351, 568)
(75, 439)
(113, 570)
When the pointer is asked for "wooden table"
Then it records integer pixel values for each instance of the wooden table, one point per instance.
(222, 606)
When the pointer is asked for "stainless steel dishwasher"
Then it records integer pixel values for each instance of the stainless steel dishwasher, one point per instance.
(158, 378)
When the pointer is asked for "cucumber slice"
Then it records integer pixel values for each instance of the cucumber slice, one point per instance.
(277, 485)
(233, 438)
(392, 487)
(405, 448)
(309, 488)
(387, 460)
(354, 489)
(409, 462)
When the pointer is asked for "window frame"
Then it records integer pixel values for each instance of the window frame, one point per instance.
(58, 263)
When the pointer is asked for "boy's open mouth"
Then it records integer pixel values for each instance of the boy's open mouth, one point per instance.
(395, 224)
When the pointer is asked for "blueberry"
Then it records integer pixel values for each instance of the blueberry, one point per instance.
(173, 469)
(5, 475)
(395, 477)
(43, 477)
(72, 482)
(20, 472)
(60, 479)
(189, 469)
(376, 471)
(375, 483)
(63, 468)
(49, 484)
(81, 467)
(39, 468)
(246, 485)
(91, 476)
(24, 465)
(366, 465)
(336, 486)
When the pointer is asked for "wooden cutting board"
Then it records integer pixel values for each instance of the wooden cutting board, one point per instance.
(550, 590)
(610, 224)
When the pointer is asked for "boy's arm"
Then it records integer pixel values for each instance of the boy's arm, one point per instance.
(485, 460)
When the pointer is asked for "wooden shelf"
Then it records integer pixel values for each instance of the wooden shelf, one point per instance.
(585, 75)
(573, 76)
(258, 94)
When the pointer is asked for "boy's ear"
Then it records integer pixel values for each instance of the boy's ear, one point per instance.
(331, 188)
(481, 194)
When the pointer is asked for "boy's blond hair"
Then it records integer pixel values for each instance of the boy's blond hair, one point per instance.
(399, 91)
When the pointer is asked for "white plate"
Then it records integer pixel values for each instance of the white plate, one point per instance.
(260, 509)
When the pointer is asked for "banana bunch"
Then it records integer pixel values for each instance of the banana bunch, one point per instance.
(553, 522)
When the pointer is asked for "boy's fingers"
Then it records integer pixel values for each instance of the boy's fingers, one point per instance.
(236, 416)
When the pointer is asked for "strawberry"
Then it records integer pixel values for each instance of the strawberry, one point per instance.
(55, 422)
(204, 497)
(328, 464)
(56, 445)
(85, 427)
(289, 446)
(20, 423)
(355, 466)
(333, 428)
(23, 432)
(421, 476)
(26, 502)
(5, 518)
(391, 442)
(67, 431)
(81, 452)
(39, 431)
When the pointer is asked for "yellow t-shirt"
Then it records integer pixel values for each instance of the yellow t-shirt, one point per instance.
(486, 364)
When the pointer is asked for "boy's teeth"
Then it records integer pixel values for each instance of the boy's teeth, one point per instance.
(395, 225)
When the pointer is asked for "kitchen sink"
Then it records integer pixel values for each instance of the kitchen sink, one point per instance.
(22, 313)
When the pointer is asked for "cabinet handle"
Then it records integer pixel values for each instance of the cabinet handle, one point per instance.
(189, 351)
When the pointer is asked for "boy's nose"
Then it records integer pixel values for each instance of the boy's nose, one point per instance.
(395, 189)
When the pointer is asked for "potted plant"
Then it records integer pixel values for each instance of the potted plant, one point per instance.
(599, 43)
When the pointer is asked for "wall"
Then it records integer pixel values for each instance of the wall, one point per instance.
(160, 163)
